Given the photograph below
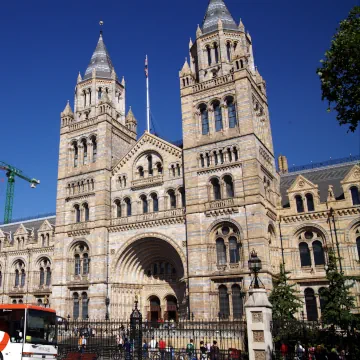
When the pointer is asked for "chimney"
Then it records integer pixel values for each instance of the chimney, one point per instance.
(283, 164)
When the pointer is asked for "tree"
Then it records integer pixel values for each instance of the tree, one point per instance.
(340, 71)
(337, 299)
(284, 298)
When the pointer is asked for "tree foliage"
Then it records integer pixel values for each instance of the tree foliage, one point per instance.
(338, 301)
(284, 298)
(340, 71)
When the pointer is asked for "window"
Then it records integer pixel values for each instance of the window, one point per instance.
(322, 299)
(221, 154)
(141, 171)
(218, 116)
(85, 302)
(172, 199)
(128, 206)
(155, 202)
(86, 212)
(84, 144)
(42, 277)
(229, 155)
(228, 51)
(182, 195)
(77, 213)
(310, 202)
(234, 250)
(76, 306)
(150, 165)
(202, 162)
(355, 195)
(229, 185)
(236, 156)
(216, 51)
(99, 93)
(208, 55)
(231, 112)
(207, 159)
(304, 254)
(94, 146)
(311, 307)
(223, 302)
(221, 251)
(17, 278)
(0, 278)
(204, 120)
(237, 302)
(216, 160)
(85, 264)
(319, 258)
(76, 154)
(23, 278)
(299, 204)
(144, 204)
(358, 245)
(42, 240)
(48, 276)
(159, 168)
(216, 189)
(118, 208)
(77, 265)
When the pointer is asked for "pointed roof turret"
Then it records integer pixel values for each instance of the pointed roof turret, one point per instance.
(185, 69)
(67, 111)
(100, 61)
(130, 118)
(216, 11)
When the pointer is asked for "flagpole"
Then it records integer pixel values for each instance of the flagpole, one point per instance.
(147, 94)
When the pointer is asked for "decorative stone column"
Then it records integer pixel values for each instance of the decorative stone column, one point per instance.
(258, 312)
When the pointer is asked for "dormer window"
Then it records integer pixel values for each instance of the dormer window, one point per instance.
(299, 204)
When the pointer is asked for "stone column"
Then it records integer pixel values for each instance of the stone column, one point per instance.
(258, 312)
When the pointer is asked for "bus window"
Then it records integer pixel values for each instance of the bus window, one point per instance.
(12, 322)
(41, 327)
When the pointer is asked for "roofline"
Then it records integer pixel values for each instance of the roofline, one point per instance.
(25, 306)
(17, 222)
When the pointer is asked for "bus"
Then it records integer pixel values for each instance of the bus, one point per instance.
(27, 332)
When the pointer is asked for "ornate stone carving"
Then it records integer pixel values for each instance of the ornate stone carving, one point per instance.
(258, 336)
(257, 316)
(260, 355)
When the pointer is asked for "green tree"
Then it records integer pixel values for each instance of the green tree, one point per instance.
(284, 297)
(340, 71)
(337, 299)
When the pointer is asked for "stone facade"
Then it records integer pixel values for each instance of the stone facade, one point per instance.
(175, 225)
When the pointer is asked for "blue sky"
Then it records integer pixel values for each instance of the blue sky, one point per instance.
(46, 43)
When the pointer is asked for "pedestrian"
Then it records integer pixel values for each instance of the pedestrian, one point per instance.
(284, 350)
(190, 349)
(127, 348)
(153, 344)
(203, 351)
(145, 350)
(214, 351)
(82, 344)
(208, 348)
(162, 348)
(119, 342)
(299, 351)
(333, 354)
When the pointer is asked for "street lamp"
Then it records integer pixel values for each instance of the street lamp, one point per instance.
(255, 266)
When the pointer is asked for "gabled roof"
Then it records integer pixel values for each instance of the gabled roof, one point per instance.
(216, 11)
(100, 61)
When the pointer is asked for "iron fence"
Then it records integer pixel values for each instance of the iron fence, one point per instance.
(107, 339)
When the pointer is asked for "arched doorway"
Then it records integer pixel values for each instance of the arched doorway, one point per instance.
(149, 268)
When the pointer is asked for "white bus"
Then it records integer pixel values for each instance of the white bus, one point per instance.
(27, 332)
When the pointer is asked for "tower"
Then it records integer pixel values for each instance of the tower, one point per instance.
(92, 138)
(230, 177)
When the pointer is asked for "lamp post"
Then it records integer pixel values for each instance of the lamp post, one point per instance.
(255, 266)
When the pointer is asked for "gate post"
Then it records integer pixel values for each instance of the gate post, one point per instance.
(136, 331)
(259, 320)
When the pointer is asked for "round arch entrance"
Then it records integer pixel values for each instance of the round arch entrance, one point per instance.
(153, 269)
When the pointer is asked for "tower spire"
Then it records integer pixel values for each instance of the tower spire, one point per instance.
(216, 11)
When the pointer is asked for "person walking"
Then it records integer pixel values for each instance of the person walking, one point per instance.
(190, 349)
(162, 348)
(203, 351)
(284, 350)
(82, 344)
(299, 351)
(214, 351)
(145, 350)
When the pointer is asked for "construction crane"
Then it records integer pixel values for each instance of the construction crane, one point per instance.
(11, 172)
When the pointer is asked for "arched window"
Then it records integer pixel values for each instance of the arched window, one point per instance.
(141, 171)
(77, 213)
(207, 159)
(159, 168)
(182, 196)
(319, 258)
(77, 264)
(42, 276)
(86, 212)
(94, 148)
(231, 112)
(216, 51)
(17, 278)
(355, 195)
(47, 239)
(237, 302)
(221, 154)
(118, 208)
(48, 276)
(221, 251)
(216, 188)
(229, 153)
(128, 206)
(236, 156)
(76, 154)
(204, 119)
(310, 202)
(229, 185)
(172, 199)
(150, 165)
(223, 302)
(178, 169)
(23, 278)
(304, 254)
(76, 307)
(216, 160)
(299, 204)
(173, 170)
(202, 162)
(218, 116)
(0, 278)
(228, 51)
(234, 250)
(85, 310)
(155, 202)
(358, 246)
(311, 307)
(144, 204)
(85, 264)
(208, 55)
(42, 240)
(85, 151)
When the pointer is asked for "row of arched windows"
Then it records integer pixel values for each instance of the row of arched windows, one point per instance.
(79, 187)
(219, 157)
(312, 313)
(86, 157)
(213, 56)
(87, 95)
(150, 203)
(82, 213)
(216, 107)
(222, 188)
(224, 302)
(318, 253)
